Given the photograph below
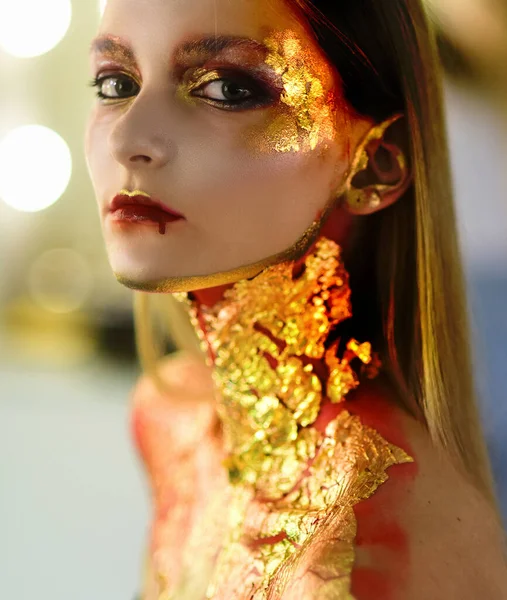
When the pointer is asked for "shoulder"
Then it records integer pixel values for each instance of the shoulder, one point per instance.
(184, 374)
(184, 411)
(427, 532)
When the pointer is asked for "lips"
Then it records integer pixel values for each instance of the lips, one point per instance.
(138, 208)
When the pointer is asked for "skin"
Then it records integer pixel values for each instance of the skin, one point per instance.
(244, 201)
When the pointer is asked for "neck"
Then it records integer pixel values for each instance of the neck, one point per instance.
(281, 367)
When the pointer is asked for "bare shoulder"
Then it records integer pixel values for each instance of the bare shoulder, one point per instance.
(427, 532)
(183, 372)
(184, 410)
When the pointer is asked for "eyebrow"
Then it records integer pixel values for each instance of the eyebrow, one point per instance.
(112, 44)
(206, 46)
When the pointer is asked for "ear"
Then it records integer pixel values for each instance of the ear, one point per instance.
(380, 172)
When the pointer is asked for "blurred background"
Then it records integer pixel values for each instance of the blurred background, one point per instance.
(74, 508)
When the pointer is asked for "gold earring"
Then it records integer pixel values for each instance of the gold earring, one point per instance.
(363, 198)
(368, 197)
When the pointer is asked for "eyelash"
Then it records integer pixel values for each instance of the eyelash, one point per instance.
(261, 94)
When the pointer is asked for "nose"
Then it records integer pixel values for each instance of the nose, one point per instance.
(141, 135)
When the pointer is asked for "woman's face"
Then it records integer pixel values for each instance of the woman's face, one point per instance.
(228, 113)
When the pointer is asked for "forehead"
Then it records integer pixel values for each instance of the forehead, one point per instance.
(163, 23)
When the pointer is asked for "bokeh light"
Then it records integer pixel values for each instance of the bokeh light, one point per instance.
(33, 27)
(60, 280)
(35, 168)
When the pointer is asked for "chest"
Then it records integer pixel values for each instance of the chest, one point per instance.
(225, 541)
(257, 551)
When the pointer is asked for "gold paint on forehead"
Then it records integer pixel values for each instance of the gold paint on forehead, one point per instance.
(306, 118)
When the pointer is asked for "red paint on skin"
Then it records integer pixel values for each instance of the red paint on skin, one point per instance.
(389, 535)
(368, 583)
(381, 539)
(210, 296)
(328, 412)
(372, 403)
(273, 363)
(338, 226)
(272, 540)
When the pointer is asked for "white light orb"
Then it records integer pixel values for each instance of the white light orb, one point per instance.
(35, 168)
(33, 27)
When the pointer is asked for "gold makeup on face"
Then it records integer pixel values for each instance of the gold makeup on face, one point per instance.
(134, 193)
(304, 118)
(198, 78)
(302, 121)
(301, 127)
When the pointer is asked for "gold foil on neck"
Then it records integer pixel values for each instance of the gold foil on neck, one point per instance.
(290, 525)
(284, 526)
(265, 336)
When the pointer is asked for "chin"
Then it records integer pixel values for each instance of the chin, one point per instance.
(186, 283)
(155, 286)
(147, 278)
(139, 266)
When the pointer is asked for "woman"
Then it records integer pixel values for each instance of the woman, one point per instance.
(278, 169)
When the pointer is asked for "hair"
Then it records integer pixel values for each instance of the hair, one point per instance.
(406, 276)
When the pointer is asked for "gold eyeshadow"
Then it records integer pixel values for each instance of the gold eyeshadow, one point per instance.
(280, 63)
(263, 93)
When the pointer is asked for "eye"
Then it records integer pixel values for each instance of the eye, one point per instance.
(234, 92)
(229, 90)
(114, 87)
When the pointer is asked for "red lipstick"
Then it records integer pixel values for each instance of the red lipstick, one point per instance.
(138, 207)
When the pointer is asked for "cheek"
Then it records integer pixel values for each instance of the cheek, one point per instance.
(240, 191)
(297, 154)
(98, 159)
(286, 182)
(270, 167)
(90, 134)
